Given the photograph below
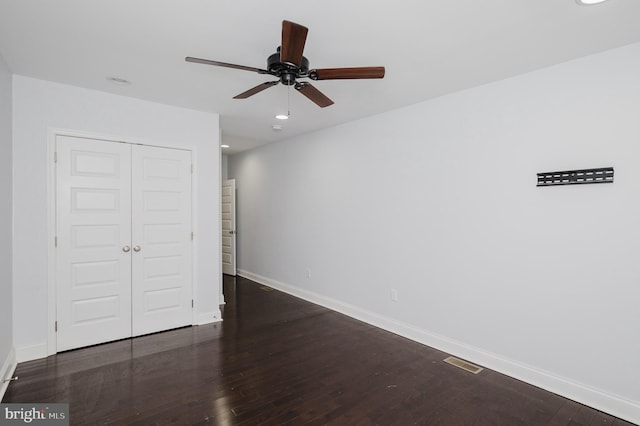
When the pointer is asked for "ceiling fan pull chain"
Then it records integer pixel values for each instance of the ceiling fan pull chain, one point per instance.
(288, 101)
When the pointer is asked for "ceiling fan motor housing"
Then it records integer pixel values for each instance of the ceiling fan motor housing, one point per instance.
(285, 71)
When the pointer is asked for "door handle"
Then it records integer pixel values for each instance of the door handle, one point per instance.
(137, 248)
(126, 249)
(232, 232)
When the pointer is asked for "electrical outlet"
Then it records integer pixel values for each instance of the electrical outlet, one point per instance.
(394, 295)
(308, 273)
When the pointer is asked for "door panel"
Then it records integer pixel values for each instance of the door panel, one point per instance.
(229, 227)
(93, 210)
(161, 224)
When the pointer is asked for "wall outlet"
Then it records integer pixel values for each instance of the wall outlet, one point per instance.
(308, 273)
(394, 294)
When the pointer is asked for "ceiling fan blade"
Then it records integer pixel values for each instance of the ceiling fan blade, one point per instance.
(259, 88)
(346, 73)
(313, 94)
(224, 64)
(294, 37)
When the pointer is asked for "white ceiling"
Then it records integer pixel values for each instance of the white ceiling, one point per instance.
(429, 48)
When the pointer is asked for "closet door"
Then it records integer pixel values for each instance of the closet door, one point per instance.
(93, 233)
(161, 239)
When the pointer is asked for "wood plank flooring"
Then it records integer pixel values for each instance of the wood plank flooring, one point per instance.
(279, 360)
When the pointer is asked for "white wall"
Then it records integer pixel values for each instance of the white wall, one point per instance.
(224, 164)
(438, 201)
(6, 336)
(40, 106)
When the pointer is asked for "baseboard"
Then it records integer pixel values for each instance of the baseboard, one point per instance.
(29, 353)
(612, 404)
(209, 317)
(6, 372)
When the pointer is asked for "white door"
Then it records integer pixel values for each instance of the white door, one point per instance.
(161, 239)
(229, 227)
(123, 236)
(93, 222)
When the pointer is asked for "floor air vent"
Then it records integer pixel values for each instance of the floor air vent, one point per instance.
(463, 364)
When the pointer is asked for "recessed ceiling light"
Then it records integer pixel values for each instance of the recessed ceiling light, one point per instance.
(276, 127)
(589, 2)
(282, 117)
(118, 80)
(224, 146)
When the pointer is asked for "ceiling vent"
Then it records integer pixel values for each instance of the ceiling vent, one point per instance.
(572, 177)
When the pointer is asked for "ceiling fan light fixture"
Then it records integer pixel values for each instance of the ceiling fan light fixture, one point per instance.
(589, 2)
(282, 117)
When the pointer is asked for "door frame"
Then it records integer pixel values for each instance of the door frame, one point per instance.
(52, 133)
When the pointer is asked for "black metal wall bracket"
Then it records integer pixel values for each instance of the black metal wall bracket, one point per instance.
(573, 177)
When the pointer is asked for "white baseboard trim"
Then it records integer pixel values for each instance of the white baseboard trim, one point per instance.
(29, 353)
(209, 317)
(7, 370)
(600, 400)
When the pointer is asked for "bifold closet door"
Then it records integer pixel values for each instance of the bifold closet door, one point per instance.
(161, 238)
(93, 233)
(123, 240)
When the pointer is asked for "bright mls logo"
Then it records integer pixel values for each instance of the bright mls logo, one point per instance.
(37, 414)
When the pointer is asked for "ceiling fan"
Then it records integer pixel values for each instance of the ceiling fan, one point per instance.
(288, 65)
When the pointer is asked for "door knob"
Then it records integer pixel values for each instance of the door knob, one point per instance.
(232, 232)
(126, 249)
(137, 249)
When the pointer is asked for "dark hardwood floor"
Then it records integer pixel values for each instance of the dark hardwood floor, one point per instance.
(279, 360)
